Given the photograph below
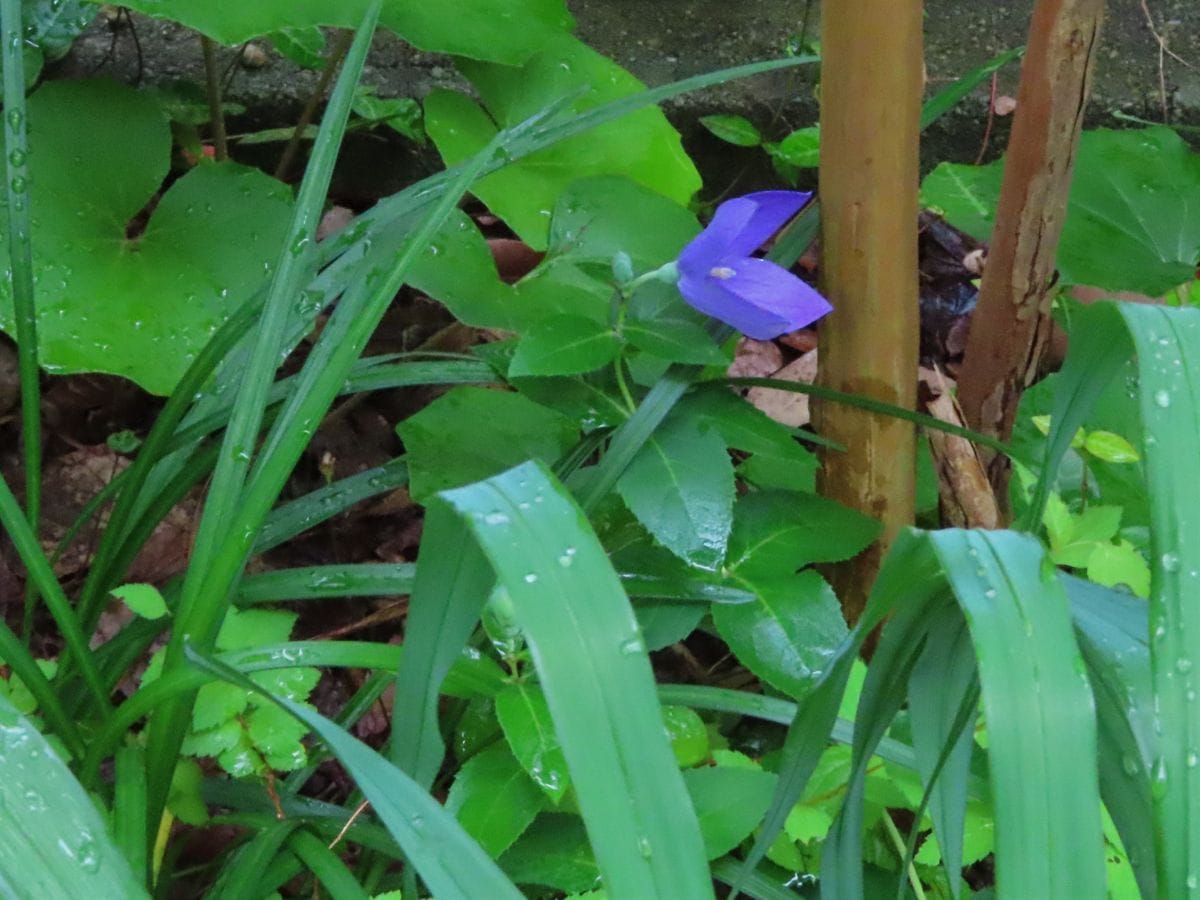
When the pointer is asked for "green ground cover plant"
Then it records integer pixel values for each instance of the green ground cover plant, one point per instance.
(598, 499)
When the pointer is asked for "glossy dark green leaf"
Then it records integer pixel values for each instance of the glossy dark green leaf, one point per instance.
(729, 803)
(471, 433)
(789, 634)
(680, 487)
(777, 532)
(525, 717)
(554, 853)
(494, 799)
(661, 324)
(564, 345)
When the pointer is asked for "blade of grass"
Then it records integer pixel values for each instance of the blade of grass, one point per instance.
(1114, 638)
(326, 866)
(596, 676)
(1039, 712)
(239, 877)
(942, 681)
(948, 97)
(1168, 354)
(450, 862)
(53, 840)
(200, 607)
(129, 809)
(42, 577)
(16, 655)
(20, 257)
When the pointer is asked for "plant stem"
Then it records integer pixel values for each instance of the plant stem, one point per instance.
(213, 82)
(310, 108)
(893, 834)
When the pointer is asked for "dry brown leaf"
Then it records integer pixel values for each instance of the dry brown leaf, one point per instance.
(788, 407)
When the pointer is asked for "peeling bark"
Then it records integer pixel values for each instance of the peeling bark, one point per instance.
(1011, 326)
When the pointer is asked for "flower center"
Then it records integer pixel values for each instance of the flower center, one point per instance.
(722, 272)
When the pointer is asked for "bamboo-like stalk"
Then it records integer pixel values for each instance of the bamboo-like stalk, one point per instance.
(871, 84)
(1011, 326)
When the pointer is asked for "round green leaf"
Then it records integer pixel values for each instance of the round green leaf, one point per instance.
(114, 299)
(801, 148)
(688, 734)
(642, 145)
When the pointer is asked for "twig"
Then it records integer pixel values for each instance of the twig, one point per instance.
(362, 807)
(987, 131)
(310, 108)
(214, 99)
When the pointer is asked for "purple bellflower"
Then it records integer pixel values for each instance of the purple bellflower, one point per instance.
(719, 276)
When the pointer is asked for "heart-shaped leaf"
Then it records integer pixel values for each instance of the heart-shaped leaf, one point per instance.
(111, 299)
(642, 145)
(1131, 219)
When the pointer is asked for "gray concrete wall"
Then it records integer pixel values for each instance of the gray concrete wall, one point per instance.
(663, 40)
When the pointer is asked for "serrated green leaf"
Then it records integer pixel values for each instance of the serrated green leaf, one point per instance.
(216, 704)
(293, 683)
(554, 853)
(494, 799)
(564, 345)
(277, 735)
(641, 146)
(470, 433)
(680, 487)
(213, 741)
(245, 628)
(141, 306)
(144, 599)
(788, 636)
(729, 803)
(529, 730)
(736, 130)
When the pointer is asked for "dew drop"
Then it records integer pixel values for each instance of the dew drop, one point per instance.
(1162, 399)
(495, 518)
(531, 578)
(632, 646)
(1183, 665)
(1170, 562)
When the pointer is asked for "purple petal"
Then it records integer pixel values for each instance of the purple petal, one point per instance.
(772, 211)
(757, 297)
(710, 245)
(739, 227)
